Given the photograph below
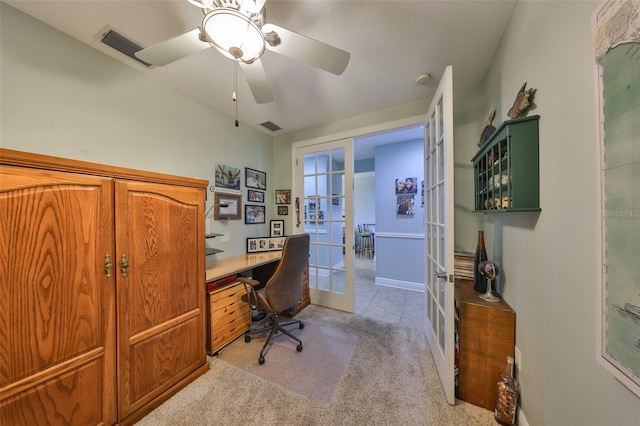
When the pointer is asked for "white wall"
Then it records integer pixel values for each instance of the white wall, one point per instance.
(364, 198)
(63, 98)
(399, 238)
(549, 259)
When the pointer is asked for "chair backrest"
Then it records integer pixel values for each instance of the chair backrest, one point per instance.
(284, 288)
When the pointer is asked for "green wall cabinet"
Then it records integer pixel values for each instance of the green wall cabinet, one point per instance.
(506, 169)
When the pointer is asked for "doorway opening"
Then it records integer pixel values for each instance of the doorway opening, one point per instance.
(382, 289)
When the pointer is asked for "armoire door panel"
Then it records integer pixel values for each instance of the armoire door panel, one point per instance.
(57, 307)
(160, 231)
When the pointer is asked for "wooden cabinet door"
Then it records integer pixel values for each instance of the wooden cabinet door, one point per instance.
(57, 306)
(161, 320)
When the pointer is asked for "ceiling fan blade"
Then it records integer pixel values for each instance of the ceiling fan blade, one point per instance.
(308, 50)
(257, 80)
(171, 50)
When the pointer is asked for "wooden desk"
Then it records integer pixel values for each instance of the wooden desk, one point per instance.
(217, 269)
(228, 316)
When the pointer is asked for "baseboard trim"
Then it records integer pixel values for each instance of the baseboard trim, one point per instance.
(522, 420)
(405, 285)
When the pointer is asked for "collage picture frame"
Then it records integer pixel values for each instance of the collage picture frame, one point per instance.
(255, 245)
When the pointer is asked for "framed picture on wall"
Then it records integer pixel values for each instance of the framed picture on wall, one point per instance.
(255, 178)
(227, 206)
(277, 228)
(254, 214)
(227, 177)
(283, 210)
(255, 196)
(283, 196)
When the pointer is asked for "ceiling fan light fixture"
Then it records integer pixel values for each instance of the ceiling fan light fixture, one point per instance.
(203, 4)
(234, 35)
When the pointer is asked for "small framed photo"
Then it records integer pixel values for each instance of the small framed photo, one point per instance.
(283, 210)
(255, 178)
(227, 206)
(283, 196)
(277, 228)
(254, 214)
(255, 196)
(253, 245)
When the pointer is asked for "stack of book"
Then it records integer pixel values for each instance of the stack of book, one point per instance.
(463, 265)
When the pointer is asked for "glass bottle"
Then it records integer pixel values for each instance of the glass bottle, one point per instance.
(506, 396)
(479, 282)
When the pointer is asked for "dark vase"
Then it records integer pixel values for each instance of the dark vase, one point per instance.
(479, 282)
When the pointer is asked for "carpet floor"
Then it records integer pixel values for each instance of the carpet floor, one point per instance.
(389, 379)
(314, 372)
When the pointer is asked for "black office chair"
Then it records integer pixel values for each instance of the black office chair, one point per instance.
(282, 291)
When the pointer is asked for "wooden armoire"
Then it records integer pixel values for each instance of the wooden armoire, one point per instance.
(101, 290)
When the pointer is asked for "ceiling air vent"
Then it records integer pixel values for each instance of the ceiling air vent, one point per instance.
(122, 44)
(271, 126)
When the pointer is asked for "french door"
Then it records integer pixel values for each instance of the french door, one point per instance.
(438, 225)
(323, 188)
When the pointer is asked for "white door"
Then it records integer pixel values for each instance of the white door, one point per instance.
(323, 207)
(438, 226)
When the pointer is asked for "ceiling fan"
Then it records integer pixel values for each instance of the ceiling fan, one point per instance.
(238, 30)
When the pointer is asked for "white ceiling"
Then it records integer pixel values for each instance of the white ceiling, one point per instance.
(391, 43)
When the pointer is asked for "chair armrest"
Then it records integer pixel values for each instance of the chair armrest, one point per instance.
(249, 281)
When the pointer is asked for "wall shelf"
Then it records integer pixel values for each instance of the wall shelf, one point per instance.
(208, 251)
(506, 169)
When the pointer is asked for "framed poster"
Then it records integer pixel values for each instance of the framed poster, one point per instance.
(255, 178)
(227, 206)
(254, 214)
(227, 177)
(617, 58)
(283, 210)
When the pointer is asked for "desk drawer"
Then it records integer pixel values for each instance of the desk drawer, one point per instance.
(226, 295)
(228, 317)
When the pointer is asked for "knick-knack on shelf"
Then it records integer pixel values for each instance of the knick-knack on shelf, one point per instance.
(479, 281)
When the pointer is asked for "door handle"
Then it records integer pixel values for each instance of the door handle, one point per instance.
(443, 276)
(108, 266)
(124, 266)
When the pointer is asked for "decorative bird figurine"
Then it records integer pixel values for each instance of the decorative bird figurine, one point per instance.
(523, 101)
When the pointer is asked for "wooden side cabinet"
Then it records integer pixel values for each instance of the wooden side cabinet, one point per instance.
(229, 316)
(486, 332)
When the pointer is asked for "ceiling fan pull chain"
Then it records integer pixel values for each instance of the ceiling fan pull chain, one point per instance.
(234, 96)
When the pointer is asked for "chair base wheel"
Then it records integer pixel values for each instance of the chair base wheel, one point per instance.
(261, 360)
(247, 338)
(299, 347)
(301, 324)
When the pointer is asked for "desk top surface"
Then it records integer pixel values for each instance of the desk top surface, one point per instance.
(221, 268)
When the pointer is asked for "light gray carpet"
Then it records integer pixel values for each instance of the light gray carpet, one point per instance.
(314, 372)
(390, 379)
